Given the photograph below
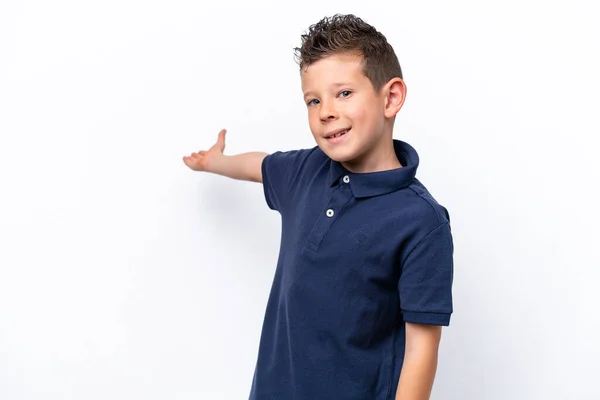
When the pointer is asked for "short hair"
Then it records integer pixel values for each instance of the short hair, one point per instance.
(350, 34)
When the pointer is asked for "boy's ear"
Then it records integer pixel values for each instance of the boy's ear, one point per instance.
(395, 93)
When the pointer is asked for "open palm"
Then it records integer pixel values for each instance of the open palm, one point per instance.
(200, 161)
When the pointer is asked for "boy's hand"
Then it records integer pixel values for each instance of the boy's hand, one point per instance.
(245, 166)
(203, 159)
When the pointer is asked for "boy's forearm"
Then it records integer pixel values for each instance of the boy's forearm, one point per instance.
(417, 376)
(244, 166)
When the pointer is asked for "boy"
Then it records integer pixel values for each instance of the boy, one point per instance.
(364, 276)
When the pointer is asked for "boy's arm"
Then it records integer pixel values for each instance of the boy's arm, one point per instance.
(246, 166)
(420, 362)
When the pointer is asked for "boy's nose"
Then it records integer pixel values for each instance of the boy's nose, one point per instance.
(327, 111)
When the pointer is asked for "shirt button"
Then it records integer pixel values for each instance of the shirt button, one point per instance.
(346, 179)
(329, 213)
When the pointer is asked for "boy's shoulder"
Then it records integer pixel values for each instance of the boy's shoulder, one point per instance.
(408, 215)
(301, 155)
(437, 213)
(298, 161)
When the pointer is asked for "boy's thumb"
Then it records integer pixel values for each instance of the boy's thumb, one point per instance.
(221, 139)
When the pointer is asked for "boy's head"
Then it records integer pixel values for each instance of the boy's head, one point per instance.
(352, 84)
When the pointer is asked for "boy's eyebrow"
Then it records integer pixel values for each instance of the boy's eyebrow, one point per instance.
(333, 85)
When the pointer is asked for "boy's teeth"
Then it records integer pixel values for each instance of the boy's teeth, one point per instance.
(337, 134)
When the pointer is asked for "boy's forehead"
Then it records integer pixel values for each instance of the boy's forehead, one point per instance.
(332, 69)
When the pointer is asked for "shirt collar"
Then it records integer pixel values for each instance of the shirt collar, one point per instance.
(382, 182)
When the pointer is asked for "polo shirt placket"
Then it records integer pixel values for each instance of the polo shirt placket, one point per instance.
(327, 218)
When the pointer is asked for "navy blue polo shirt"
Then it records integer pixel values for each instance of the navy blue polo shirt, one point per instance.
(361, 254)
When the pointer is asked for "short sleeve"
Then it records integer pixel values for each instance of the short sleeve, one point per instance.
(279, 171)
(425, 285)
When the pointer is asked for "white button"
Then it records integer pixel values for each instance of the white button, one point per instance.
(346, 179)
(329, 213)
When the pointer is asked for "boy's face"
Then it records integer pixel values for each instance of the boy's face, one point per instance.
(346, 115)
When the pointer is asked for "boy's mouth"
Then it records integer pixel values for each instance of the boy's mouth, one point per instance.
(336, 135)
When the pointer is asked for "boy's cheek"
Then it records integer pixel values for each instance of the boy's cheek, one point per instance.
(315, 127)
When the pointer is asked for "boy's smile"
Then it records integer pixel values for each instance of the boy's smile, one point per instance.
(350, 121)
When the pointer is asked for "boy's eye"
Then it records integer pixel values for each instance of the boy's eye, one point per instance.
(312, 102)
(345, 93)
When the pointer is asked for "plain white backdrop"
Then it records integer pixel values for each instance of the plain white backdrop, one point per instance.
(124, 275)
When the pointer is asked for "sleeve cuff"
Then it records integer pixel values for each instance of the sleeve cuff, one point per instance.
(426, 318)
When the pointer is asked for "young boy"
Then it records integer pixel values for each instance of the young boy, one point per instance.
(363, 284)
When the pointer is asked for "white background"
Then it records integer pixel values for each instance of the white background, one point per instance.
(125, 275)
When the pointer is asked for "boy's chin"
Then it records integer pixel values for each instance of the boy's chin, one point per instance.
(339, 155)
